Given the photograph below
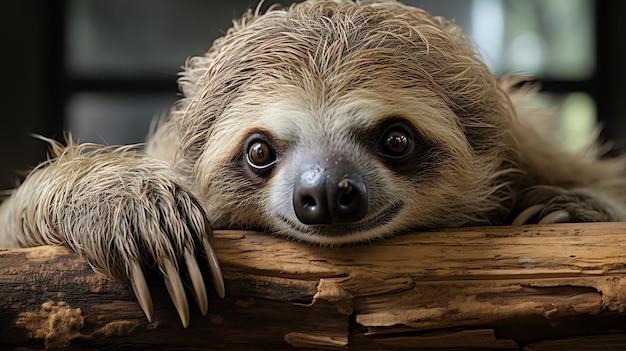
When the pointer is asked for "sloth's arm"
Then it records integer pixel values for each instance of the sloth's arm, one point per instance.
(120, 210)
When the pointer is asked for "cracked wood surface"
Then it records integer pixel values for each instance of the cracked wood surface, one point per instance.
(548, 287)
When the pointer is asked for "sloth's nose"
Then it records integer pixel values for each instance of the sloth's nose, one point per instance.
(329, 196)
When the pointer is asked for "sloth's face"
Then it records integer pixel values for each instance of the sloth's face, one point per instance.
(338, 188)
(356, 169)
(335, 123)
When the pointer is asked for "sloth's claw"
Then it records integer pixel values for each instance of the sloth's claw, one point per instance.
(559, 216)
(140, 287)
(534, 214)
(217, 279)
(529, 215)
(174, 284)
(175, 288)
(195, 276)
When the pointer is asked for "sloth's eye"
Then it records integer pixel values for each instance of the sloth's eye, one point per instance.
(401, 147)
(395, 143)
(260, 155)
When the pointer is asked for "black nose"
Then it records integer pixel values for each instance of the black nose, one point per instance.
(323, 196)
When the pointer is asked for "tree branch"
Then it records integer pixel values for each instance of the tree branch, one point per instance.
(541, 287)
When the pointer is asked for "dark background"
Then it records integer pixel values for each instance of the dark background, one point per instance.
(44, 89)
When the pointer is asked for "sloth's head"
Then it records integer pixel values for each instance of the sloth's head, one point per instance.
(335, 122)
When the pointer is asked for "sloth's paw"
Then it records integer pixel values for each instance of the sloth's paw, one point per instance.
(568, 207)
(153, 223)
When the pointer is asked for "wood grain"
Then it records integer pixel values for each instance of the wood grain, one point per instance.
(549, 287)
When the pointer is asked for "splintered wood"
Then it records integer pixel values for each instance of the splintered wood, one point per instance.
(550, 287)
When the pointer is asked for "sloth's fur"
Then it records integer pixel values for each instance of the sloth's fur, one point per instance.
(318, 82)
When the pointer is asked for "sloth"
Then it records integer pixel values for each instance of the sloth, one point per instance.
(327, 122)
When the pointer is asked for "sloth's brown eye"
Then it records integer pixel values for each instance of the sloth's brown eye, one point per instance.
(401, 147)
(260, 154)
(396, 143)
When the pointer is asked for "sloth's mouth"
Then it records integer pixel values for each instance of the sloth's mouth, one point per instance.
(352, 232)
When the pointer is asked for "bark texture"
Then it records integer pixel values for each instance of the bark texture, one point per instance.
(551, 287)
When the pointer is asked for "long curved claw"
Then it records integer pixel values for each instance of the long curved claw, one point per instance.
(529, 215)
(140, 287)
(560, 216)
(198, 287)
(217, 279)
(175, 288)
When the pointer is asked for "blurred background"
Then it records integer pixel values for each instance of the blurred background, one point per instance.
(105, 68)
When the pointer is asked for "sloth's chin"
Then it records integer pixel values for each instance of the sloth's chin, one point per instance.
(372, 227)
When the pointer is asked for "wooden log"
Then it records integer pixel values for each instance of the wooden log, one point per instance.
(550, 287)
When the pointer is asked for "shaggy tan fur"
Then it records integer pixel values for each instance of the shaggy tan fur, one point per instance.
(316, 83)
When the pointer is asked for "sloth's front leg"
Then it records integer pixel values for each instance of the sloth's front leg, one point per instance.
(548, 204)
(122, 212)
